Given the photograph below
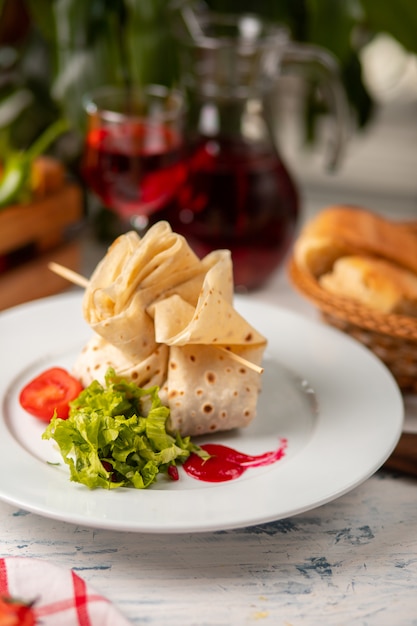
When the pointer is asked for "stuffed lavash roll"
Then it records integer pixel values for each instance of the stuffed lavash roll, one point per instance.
(162, 316)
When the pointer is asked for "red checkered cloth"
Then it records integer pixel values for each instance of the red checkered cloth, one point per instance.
(60, 597)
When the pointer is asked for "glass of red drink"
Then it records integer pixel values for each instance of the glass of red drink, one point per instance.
(133, 152)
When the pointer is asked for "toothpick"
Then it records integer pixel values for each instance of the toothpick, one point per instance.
(242, 360)
(70, 275)
(81, 281)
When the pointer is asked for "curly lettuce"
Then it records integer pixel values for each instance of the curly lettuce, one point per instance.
(116, 436)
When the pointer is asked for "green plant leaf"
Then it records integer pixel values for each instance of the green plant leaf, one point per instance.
(398, 19)
(89, 51)
(150, 46)
(42, 14)
(330, 25)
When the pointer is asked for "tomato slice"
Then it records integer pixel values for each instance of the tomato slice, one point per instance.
(50, 391)
(16, 612)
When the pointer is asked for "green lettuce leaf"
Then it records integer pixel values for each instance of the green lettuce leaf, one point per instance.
(115, 436)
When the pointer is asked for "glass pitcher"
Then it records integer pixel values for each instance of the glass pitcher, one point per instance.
(239, 193)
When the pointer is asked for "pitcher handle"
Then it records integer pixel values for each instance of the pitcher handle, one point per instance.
(327, 69)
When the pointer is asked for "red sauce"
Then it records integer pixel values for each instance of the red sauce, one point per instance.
(227, 464)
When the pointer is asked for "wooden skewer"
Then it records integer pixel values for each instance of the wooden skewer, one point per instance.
(242, 360)
(70, 275)
(81, 281)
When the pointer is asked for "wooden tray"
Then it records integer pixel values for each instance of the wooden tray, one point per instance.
(43, 228)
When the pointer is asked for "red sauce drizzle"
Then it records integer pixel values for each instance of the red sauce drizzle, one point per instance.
(227, 464)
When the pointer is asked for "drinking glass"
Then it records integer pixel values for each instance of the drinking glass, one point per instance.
(133, 152)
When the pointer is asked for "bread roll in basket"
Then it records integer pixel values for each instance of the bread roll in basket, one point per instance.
(360, 270)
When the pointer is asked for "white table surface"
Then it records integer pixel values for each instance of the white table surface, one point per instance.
(351, 561)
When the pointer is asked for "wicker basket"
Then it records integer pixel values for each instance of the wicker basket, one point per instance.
(393, 338)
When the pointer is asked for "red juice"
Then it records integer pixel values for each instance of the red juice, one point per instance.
(134, 168)
(240, 197)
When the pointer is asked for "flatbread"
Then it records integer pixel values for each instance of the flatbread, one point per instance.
(129, 278)
(162, 316)
(98, 355)
(208, 391)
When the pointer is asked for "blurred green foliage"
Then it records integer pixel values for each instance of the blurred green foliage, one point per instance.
(53, 51)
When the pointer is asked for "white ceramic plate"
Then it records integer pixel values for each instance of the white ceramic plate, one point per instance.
(335, 403)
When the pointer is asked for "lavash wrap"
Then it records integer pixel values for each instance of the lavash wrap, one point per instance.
(162, 316)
